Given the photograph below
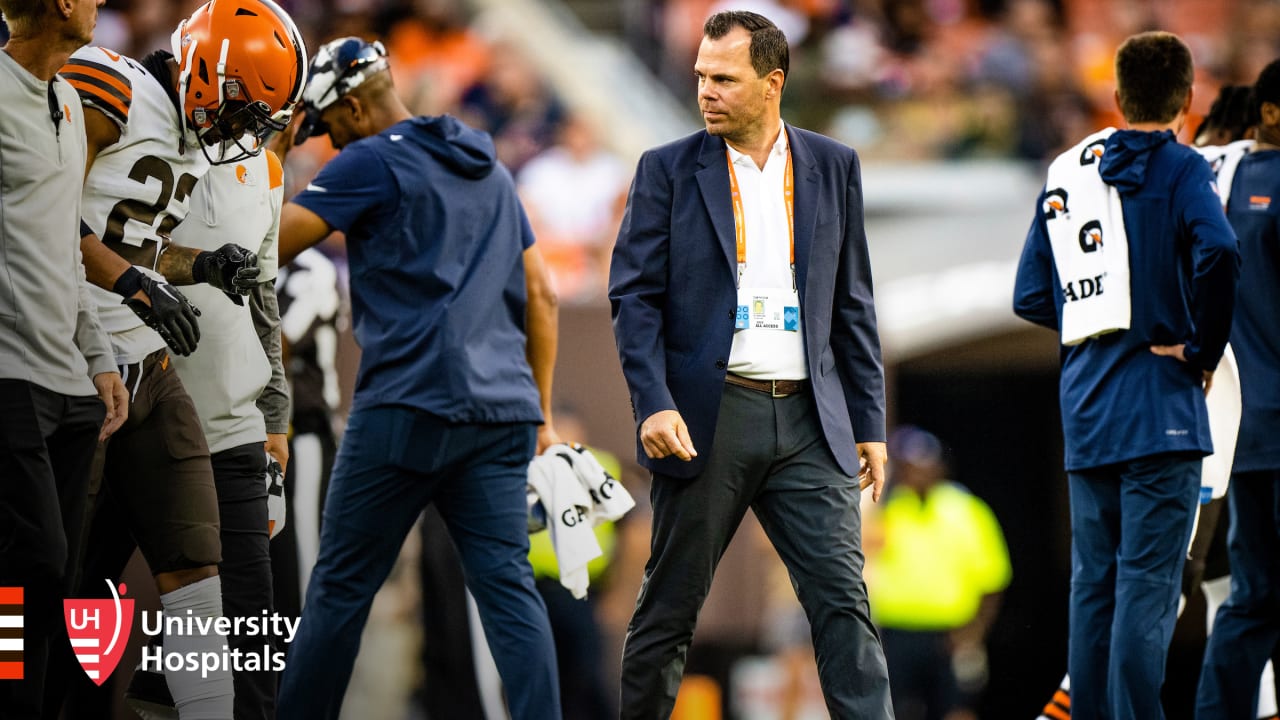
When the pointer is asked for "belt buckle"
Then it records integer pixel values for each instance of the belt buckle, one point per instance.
(773, 390)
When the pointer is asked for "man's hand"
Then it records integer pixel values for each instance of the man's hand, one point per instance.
(282, 142)
(872, 457)
(547, 436)
(230, 268)
(168, 312)
(115, 396)
(664, 433)
(1178, 352)
(277, 446)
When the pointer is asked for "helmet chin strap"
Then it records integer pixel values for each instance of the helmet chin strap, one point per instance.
(222, 71)
(184, 80)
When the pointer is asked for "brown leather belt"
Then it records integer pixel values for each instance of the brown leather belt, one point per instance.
(774, 388)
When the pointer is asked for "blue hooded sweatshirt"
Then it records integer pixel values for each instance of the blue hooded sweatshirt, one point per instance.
(1119, 400)
(435, 240)
(1254, 212)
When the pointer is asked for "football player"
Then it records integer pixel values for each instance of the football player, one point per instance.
(154, 126)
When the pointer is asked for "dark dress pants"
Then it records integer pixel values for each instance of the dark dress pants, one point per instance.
(769, 455)
(47, 442)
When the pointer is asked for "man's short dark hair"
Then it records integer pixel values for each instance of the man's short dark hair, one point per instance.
(1154, 73)
(23, 12)
(1232, 113)
(769, 49)
(1267, 87)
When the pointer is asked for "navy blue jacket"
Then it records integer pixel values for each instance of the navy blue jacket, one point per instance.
(1119, 400)
(1254, 212)
(673, 296)
(436, 239)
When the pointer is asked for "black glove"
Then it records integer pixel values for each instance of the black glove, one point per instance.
(230, 268)
(170, 314)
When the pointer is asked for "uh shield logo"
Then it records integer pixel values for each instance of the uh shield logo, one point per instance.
(99, 631)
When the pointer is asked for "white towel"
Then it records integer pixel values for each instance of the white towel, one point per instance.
(610, 500)
(568, 515)
(1085, 222)
(1223, 160)
(1223, 402)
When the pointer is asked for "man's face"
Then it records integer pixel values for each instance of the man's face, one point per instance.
(84, 18)
(341, 123)
(731, 96)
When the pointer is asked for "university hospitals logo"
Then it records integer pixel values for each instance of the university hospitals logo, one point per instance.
(99, 631)
(11, 633)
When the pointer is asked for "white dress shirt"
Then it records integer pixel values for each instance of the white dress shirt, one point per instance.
(760, 353)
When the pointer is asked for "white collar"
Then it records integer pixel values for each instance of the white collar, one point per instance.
(779, 149)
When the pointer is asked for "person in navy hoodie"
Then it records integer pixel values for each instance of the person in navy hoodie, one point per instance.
(1247, 626)
(452, 308)
(1132, 393)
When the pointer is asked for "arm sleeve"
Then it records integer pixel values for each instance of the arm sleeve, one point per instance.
(90, 337)
(354, 183)
(1036, 289)
(638, 288)
(269, 249)
(274, 402)
(100, 83)
(855, 337)
(991, 567)
(1215, 265)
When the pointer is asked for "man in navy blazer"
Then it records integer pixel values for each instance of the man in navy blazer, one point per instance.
(744, 318)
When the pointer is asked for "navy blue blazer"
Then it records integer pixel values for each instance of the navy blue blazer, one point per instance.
(673, 296)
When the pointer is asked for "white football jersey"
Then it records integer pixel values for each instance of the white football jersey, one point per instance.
(139, 188)
(237, 202)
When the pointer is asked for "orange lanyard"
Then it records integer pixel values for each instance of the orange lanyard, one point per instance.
(740, 221)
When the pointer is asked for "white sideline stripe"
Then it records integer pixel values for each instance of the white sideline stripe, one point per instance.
(84, 642)
(10, 621)
(87, 659)
(10, 643)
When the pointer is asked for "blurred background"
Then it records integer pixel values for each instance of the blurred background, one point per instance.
(955, 107)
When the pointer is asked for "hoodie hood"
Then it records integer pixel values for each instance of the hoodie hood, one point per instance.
(470, 153)
(1124, 161)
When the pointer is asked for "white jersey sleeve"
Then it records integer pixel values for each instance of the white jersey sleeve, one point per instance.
(139, 188)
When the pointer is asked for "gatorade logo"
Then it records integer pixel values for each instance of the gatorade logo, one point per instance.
(99, 632)
(1092, 152)
(1055, 201)
(1091, 236)
(11, 625)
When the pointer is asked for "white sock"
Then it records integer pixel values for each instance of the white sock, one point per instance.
(197, 696)
(1216, 592)
(1267, 692)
